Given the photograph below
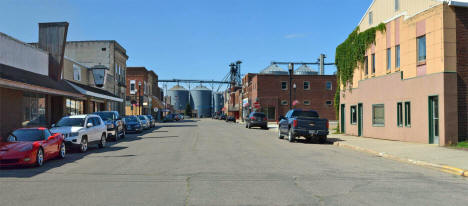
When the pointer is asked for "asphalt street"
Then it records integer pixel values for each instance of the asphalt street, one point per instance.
(210, 162)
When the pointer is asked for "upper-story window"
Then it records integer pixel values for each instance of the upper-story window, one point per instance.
(284, 85)
(371, 16)
(397, 5)
(366, 65)
(421, 49)
(397, 56)
(145, 88)
(329, 85)
(373, 63)
(389, 59)
(132, 87)
(76, 72)
(306, 85)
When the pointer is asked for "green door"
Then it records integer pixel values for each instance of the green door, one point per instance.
(342, 124)
(359, 120)
(434, 120)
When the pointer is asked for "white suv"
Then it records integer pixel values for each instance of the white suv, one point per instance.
(81, 131)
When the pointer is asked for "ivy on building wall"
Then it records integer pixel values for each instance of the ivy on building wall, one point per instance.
(351, 52)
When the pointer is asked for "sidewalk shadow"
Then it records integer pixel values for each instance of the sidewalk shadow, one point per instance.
(180, 125)
(329, 141)
(72, 156)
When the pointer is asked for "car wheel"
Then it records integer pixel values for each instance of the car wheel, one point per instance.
(291, 137)
(83, 145)
(103, 142)
(40, 157)
(265, 127)
(280, 136)
(62, 151)
(322, 139)
(246, 125)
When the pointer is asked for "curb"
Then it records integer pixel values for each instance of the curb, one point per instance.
(443, 168)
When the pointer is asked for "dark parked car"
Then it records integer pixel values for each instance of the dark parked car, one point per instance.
(256, 119)
(222, 117)
(230, 119)
(305, 123)
(114, 123)
(133, 124)
(152, 121)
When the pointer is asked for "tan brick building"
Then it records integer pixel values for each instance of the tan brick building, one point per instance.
(412, 85)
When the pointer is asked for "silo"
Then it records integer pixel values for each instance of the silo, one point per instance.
(218, 101)
(201, 101)
(179, 97)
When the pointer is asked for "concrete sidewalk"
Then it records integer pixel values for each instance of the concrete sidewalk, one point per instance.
(445, 159)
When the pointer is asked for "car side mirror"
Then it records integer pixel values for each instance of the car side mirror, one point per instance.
(50, 138)
(89, 125)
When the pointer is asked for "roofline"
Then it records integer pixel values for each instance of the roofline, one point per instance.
(74, 61)
(120, 47)
(368, 8)
(24, 43)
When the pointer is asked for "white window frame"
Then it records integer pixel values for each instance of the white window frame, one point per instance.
(132, 82)
(285, 83)
(308, 85)
(331, 85)
(306, 102)
(284, 102)
(76, 72)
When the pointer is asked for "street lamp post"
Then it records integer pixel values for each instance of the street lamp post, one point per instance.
(294, 87)
(291, 70)
(139, 98)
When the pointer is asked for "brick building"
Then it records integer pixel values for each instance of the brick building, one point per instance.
(268, 92)
(147, 82)
(412, 85)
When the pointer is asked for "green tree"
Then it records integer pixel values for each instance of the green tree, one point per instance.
(188, 110)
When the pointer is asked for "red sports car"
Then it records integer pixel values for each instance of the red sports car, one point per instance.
(31, 146)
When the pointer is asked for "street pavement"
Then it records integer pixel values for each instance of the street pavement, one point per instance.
(210, 162)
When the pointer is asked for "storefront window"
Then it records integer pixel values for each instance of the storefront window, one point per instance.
(74, 107)
(34, 109)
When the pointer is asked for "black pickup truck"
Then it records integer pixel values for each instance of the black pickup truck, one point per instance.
(305, 123)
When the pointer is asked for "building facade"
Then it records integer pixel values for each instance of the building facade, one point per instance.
(269, 92)
(412, 83)
(31, 90)
(107, 60)
(143, 94)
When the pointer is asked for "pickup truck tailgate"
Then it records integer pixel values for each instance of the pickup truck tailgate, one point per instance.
(312, 124)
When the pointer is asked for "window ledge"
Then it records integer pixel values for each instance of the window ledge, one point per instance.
(389, 71)
(421, 63)
(378, 125)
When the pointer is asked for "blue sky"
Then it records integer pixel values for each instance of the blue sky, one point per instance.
(196, 39)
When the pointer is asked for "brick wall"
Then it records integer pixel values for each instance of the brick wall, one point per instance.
(267, 89)
(462, 70)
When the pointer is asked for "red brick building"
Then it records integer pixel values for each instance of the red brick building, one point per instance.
(268, 92)
(147, 81)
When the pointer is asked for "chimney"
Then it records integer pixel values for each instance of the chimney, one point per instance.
(52, 38)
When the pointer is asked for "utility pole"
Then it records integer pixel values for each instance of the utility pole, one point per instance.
(291, 70)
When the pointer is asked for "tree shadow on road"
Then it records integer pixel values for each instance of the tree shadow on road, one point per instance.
(71, 157)
(158, 137)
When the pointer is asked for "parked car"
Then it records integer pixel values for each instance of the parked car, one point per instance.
(133, 124)
(256, 119)
(177, 117)
(169, 118)
(144, 121)
(151, 120)
(115, 125)
(81, 131)
(31, 146)
(230, 119)
(222, 117)
(305, 123)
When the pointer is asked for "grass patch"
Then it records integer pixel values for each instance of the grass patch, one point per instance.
(463, 144)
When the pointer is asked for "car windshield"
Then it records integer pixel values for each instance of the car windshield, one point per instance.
(149, 116)
(131, 119)
(141, 117)
(70, 122)
(305, 114)
(26, 135)
(105, 115)
(259, 115)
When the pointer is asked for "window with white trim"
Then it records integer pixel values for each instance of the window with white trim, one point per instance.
(284, 102)
(284, 85)
(76, 72)
(306, 85)
(306, 102)
(132, 87)
(329, 85)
